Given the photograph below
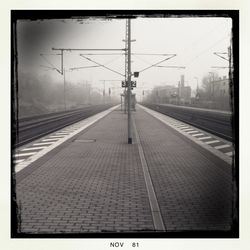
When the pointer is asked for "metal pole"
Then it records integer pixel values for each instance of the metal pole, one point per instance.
(212, 87)
(64, 83)
(125, 98)
(62, 68)
(129, 83)
(230, 63)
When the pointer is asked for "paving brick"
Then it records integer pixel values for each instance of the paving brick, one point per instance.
(190, 188)
(94, 187)
(88, 184)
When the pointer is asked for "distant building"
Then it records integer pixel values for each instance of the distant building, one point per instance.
(184, 92)
(163, 94)
(216, 95)
(172, 94)
(182, 80)
(221, 87)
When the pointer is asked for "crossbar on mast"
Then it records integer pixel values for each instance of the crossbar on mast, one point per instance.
(67, 49)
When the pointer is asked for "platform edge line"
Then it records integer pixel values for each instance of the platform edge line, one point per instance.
(212, 150)
(155, 209)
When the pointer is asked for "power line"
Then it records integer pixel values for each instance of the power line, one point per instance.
(143, 60)
(221, 67)
(204, 51)
(98, 54)
(68, 49)
(163, 66)
(160, 66)
(148, 54)
(219, 54)
(112, 60)
(101, 65)
(53, 67)
(153, 65)
(204, 36)
(84, 67)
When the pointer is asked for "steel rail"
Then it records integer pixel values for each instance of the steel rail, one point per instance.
(211, 125)
(36, 130)
(35, 120)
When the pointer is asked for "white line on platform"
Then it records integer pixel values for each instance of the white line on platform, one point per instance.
(211, 142)
(187, 129)
(42, 143)
(18, 161)
(204, 138)
(223, 146)
(183, 126)
(32, 148)
(193, 131)
(164, 119)
(229, 153)
(56, 136)
(82, 126)
(24, 154)
(198, 134)
(52, 140)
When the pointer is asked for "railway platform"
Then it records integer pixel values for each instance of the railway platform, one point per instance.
(170, 179)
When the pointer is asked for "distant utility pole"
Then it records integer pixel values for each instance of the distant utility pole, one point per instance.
(62, 70)
(64, 89)
(179, 93)
(212, 85)
(197, 88)
(128, 73)
(104, 85)
(230, 64)
(225, 56)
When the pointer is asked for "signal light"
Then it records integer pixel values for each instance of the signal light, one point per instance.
(136, 74)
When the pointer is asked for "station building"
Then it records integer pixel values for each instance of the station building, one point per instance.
(180, 95)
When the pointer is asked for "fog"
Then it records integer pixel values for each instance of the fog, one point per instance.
(193, 40)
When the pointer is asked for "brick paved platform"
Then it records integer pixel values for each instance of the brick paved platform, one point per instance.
(95, 182)
(193, 188)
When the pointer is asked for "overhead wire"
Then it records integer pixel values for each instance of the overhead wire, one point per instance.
(160, 66)
(173, 55)
(87, 58)
(204, 51)
(145, 61)
(53, 67)
(112, 60)
(94, 66)
(215, 28)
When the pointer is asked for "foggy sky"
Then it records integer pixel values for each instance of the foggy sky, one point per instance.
(194, 40)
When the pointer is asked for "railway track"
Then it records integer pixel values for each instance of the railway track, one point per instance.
(216, 122)
(32, 128)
